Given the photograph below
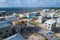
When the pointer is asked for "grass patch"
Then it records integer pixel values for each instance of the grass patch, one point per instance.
(33, 23)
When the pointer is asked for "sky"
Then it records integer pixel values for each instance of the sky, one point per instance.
(29, 3)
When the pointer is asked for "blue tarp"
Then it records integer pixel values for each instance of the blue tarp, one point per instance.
(49, 33)
(31, 15)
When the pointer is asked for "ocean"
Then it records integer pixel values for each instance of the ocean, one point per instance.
(20, 9)
(23, 9)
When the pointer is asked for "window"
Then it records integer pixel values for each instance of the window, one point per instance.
(0, 33)
(10, 34)
(49, 24)
(45, 26)
(48, 27)
(45, 23)
(6, 30)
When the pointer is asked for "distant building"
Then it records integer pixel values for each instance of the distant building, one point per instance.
(46, 10)
(57, 11)
(3, 13)
(42, 18)
(33, 14)
(11, 18)
(15, 37)
(51, 15)
(2, 18)
(50, 24)
(27, 16)
(21, 15)
(58, 20)
(5, 29)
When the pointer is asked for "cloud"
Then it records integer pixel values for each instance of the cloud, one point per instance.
(3, 1)
(32, 1)
(29, 3)
(11, 3)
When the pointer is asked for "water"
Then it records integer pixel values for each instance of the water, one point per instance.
(22, 9)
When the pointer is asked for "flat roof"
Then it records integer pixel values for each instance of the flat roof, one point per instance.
(15, 37)
(54, 38)
(10, 16)
(51, 21)
(4, 24)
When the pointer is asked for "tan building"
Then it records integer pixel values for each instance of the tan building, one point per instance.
(18, 25)
(5, 29)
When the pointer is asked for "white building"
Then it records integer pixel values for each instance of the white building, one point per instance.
(3, 13)
(5, 29)
(51, 15)
(45, 10)
(50, 24)
(42, 18)
(11, 18)
(21, 15)
(58, 20)
(1, 18)
(15, 37)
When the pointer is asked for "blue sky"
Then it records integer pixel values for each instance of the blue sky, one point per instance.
(29, 3)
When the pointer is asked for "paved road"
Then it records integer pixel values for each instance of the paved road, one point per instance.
(42, 33)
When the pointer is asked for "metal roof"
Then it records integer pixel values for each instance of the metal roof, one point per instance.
(15, 37)
(54, 38)
(4, 24)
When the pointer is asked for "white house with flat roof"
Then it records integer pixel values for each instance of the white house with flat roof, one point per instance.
(50, 24)
(45, 10)
(15, 37)
(51, 15)
(10, 17)
(5, 29)
(1, 18)
(58, 20)
(42, 18)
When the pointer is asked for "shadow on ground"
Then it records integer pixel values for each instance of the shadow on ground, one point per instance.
(57, 30)
(26, 32)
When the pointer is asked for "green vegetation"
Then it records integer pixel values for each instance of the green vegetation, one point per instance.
(46, 39)
(33, 23)
(35, 34)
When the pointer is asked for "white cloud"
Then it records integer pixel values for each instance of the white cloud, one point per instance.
(28, 3)
(3, 1)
